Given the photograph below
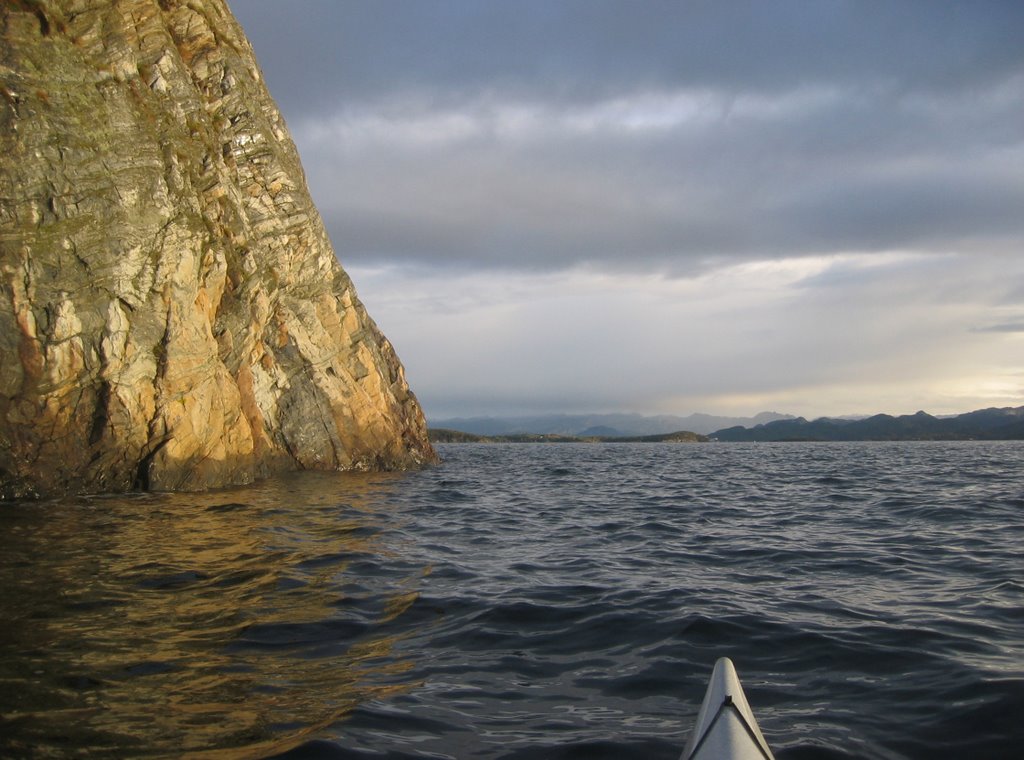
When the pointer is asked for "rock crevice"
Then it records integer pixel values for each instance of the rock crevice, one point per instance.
(172, 314)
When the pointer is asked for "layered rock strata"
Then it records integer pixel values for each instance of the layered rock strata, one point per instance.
(172, 315)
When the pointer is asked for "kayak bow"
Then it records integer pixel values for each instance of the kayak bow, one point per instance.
(726, 729)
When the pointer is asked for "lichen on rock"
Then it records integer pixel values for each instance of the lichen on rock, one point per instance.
(172, 314)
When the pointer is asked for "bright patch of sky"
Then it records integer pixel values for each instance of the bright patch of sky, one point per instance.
(409, 124)
(856, 329)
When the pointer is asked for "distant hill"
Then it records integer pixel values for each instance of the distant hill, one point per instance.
(603, 425)
(442, 435)
(984, 424)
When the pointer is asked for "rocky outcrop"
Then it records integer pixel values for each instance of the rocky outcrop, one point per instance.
(172, 315)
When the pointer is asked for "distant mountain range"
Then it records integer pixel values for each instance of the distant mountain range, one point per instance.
(984, 424)
(601, 425)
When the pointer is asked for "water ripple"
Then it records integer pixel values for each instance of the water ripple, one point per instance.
(529, 601)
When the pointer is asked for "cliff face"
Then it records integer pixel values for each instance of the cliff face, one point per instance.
(172, 315)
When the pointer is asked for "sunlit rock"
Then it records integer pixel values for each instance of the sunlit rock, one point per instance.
(172, 314)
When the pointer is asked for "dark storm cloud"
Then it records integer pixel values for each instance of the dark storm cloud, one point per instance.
(660, 134)
(812, 127)
(727, 178)
(592, 48)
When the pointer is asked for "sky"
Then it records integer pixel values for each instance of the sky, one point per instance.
(727, 207)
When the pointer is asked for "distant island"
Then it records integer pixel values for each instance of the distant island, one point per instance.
(601, 425)
(984, 424)
(443, 435)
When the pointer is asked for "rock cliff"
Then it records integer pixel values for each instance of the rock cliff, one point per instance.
(172, 315)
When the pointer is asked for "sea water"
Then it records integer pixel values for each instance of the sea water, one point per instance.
(529, 601)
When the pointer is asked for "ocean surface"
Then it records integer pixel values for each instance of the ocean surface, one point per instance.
(529, 601)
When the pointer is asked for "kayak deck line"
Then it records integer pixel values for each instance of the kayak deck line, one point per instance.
(726, 728)
(728, 704)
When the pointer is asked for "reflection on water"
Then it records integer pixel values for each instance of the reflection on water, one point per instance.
(559, 601)
(227, 624)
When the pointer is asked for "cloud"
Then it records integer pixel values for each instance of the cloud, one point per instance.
(883, 334)
(1003, 327)
(589, 50)
(680, 136)
(592, 205)
(670, 180)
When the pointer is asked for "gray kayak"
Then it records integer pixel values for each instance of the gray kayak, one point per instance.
(726, 729)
